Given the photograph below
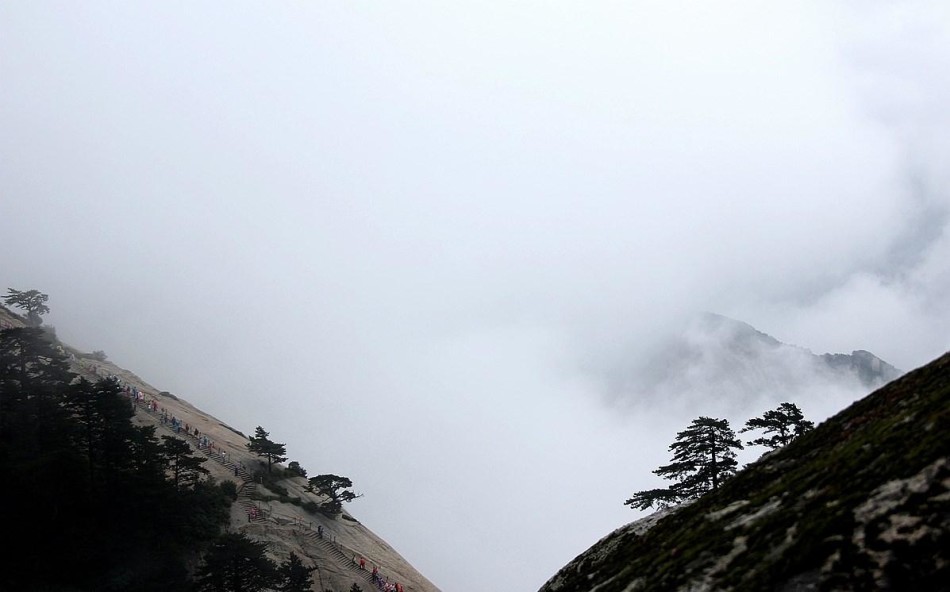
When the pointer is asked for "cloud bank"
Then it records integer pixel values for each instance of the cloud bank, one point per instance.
(412, 240)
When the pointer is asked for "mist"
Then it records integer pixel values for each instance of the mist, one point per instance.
(419, 242)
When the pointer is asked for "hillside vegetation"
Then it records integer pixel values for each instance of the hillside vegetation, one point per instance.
(118, 486)
(860, 503)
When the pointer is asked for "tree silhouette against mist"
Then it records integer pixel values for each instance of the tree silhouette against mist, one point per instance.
(703, 457)
(31, 301)
(786, 422)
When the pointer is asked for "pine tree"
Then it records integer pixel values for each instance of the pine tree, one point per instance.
(83, 472)
(34, 375)
(295, 469)
(104, 432)
(335, 488)
(786, 422)
(294, 576)
(703, 457)
(31, 301)
(186, 470)
(235, 563)
(261, 445)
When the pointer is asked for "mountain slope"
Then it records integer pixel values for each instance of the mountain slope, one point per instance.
(860, 503)
(267, 516)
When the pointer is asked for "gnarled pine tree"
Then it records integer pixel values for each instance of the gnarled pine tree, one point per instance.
(785, 423)
(703, 457)
(261, 445)
(31, 301)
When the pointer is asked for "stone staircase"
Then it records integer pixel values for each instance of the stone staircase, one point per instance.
(254, 514)
(334, 551)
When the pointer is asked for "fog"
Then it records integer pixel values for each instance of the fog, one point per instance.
(418, 241)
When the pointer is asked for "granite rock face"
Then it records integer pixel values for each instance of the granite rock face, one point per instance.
(860, 503)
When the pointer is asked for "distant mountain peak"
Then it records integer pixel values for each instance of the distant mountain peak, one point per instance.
(737, 335)
(737, 331)
(720, 361)
(869, 368)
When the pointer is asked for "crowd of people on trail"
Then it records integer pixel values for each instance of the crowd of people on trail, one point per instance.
(202, 441)
(177, 425)
(139, 400)
(382, 583)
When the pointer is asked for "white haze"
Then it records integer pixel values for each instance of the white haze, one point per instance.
(409, 239)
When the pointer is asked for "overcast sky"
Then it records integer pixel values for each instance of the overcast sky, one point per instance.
(404, 236)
